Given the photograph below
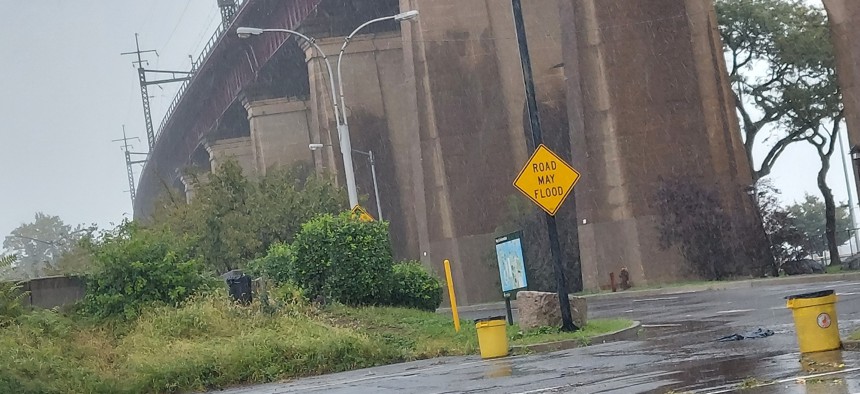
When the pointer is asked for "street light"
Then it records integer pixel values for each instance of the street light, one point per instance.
(339, 113)
(372, 159)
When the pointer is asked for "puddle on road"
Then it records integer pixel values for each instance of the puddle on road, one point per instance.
(757, 374)
(499, 369)
(708, 372)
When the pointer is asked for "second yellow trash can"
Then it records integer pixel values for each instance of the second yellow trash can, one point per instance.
(492, 337)
(815, 321)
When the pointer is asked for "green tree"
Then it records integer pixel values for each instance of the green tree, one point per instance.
(782, 68)
(41, 243)
(809, 217)
(233, 219)
(771, 46)
(787, 242)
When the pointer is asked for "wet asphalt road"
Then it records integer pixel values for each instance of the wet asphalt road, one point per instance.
(676, 352)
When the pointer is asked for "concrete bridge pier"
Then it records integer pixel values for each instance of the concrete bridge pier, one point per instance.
(280, 132)
(464, 83)
(649, 101)
(239, 149)
(844, 18)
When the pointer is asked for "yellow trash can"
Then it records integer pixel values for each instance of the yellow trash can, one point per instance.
(492, 337)
(815, 321)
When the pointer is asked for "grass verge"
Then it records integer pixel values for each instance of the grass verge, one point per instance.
(209, 343)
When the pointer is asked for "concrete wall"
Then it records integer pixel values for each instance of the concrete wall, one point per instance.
(54, 291)
(465, 85)
(280, 132)
(649, 100)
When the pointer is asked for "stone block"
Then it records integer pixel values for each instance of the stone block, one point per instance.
(539, 309)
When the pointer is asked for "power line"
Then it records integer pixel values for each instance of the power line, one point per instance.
(178, 22)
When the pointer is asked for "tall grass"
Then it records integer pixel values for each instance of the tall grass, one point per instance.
(211, 343)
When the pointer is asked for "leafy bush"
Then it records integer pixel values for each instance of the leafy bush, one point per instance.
(415, 287)
(343, 259)
(715, 244)
(136, 268)
(275, 265)
(10, 295)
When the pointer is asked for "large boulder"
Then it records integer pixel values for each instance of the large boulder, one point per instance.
(851, 263)
(540, 309)
(803, 267)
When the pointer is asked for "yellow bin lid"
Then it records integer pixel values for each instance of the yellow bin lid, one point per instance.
(811, 299)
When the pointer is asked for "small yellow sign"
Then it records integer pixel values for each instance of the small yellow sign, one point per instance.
(546, 179)
(362, 214)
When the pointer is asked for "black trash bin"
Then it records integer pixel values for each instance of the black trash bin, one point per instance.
(239, 286)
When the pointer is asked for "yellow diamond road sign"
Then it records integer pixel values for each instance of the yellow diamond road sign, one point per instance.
(546, 179)
(362, 214)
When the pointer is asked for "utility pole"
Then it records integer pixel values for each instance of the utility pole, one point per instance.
(537, 139)
(175, 76)
(126, 147)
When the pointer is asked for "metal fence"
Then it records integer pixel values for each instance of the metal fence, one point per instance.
(195, 64)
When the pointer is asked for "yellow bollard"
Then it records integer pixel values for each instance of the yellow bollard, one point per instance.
(815, 321)
(492, 337)
(451, 296)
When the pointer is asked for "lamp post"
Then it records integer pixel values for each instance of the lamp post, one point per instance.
(372, 159)
(339, 112)
(856, 237)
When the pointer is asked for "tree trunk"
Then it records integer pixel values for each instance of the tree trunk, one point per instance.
(829, 211)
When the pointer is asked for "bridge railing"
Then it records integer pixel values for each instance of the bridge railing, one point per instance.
(195, 64)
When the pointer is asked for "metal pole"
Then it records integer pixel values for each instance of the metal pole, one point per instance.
(343, 126)
(375, 185)
(451, 295)
(537, 138)
(850, 197)
(508, 311)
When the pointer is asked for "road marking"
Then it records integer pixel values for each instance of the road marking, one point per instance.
(657, 299)
(734, 311)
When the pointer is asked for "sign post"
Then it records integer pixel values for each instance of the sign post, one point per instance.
(512, 268)
(537, 138)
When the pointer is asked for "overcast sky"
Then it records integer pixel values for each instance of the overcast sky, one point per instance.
(65, 93)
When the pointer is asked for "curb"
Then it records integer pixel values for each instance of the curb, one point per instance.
(714, 286)
(851, 345)
(623, 334)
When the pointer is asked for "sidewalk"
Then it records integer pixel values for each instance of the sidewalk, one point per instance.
(710, 286)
